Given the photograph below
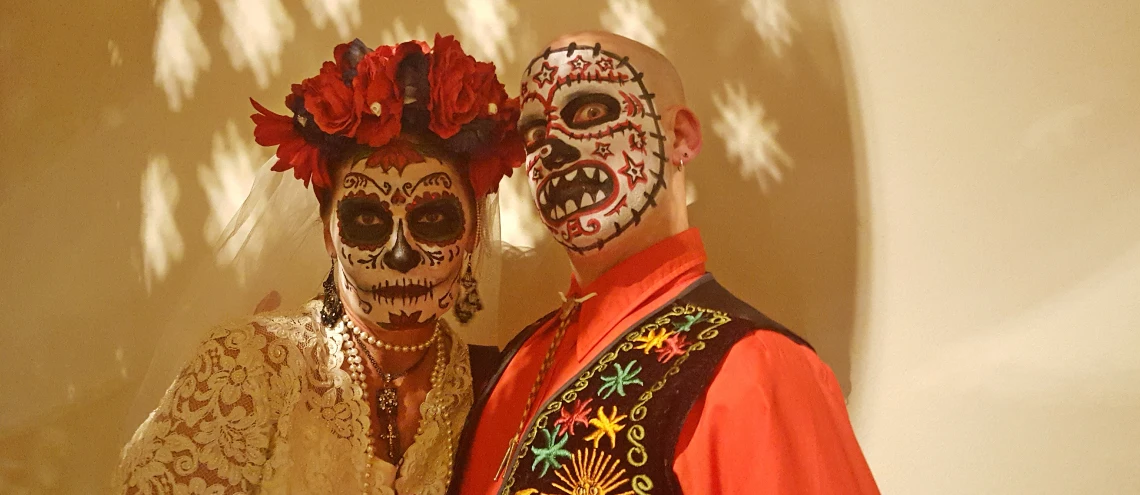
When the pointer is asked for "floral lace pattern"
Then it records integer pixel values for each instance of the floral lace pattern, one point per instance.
(264, 407)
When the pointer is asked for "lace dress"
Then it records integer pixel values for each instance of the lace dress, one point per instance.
(264, 407)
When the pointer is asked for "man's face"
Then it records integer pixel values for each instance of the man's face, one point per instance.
(400, 238)
(595, 150)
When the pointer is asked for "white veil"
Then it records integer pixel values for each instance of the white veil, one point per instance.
(275, 243)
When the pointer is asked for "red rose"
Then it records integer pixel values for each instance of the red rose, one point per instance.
(379, 99)
(461, 88)
(331, 101)
(488, 167)
(293, 152)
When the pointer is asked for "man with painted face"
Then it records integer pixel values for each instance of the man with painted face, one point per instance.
(651, 378)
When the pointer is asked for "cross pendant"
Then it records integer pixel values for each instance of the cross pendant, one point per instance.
(387, 403)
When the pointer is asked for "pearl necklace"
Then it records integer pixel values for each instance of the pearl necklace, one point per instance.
(356, 371)
(367, 337)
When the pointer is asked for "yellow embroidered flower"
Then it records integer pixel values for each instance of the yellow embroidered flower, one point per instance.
(607, 426)
(652, 339)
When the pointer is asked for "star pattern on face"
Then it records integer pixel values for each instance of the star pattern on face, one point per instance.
(545, 75)
(637, 141)
(580, 415)
(579, 64)
(607, 426)
(606, 63)
(634, 171)
(623, 377)
(602, 150)
(548, 456)
(652, 339)
(675, 345)
(690, 320)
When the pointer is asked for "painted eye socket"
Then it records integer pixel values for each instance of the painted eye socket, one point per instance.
(364, 221)
(438, 222)
(534, 136)
(590, 109)
(589, 114)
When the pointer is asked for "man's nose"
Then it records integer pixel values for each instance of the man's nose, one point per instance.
(559, 154)
(402, 257)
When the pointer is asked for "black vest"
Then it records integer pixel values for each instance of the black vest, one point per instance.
(615, 427)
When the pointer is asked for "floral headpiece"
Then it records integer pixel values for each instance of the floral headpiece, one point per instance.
(366, 98)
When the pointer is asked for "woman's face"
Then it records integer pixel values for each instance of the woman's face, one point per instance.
(400, 236)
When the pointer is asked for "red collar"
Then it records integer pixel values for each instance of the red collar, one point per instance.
(626, 287)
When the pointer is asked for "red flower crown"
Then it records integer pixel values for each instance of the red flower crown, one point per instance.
(367, 98)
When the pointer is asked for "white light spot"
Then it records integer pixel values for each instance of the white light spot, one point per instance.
(343, 14)
(518, 221)
(486, 26)
(116, 54)
(227, 183)
(635, 20)
(162, 243)
(254, 34)
(690, 192)
(772, 22)
(749, 139)
(179, 53)
(400, 33)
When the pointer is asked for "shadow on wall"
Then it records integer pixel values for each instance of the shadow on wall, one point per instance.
(774, 190)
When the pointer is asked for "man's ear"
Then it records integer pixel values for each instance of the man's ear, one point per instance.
(687, 137)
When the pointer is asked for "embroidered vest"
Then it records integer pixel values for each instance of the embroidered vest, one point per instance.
(613, 430)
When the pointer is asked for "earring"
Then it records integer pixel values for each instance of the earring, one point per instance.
(468, 302)
(332, 309)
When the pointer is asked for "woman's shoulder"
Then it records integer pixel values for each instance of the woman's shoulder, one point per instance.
(298, 328)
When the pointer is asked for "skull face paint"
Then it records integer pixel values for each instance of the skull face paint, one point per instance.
(595, 150)
(401, 235)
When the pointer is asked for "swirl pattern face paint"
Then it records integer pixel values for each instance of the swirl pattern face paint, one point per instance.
(400, 235)
(595, 148)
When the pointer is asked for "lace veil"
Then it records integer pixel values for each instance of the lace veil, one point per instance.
(275, 244)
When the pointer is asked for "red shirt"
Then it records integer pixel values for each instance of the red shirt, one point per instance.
(773, 419)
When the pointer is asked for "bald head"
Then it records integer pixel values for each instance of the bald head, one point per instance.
(661, 77)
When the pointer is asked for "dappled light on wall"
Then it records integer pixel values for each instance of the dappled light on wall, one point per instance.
(634, 19)
(519, 224)
(485, 26)
(162, 243)
(398, 33)
(344, 15)
(228, 178)
(772, 22)
(179, 53)
(254, 34)
(749, 137)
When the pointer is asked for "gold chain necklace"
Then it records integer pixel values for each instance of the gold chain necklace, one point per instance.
(569, 309)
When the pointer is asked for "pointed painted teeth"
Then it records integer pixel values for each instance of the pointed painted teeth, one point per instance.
(570, 176)
(586, 200)
(542, 198)
(554, 181)
(604, 178)
(590, 172)
(571, 207)
(599, 197)
(559, 213)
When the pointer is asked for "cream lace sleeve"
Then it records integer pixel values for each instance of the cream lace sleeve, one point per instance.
(211, 432)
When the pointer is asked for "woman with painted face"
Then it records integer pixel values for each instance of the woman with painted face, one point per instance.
(366, 388)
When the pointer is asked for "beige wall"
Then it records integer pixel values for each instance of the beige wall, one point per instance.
(942, 196)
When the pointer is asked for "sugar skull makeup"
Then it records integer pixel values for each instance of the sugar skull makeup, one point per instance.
(401, 235)
(595, 150)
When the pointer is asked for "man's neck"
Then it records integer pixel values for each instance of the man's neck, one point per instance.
(590, 266)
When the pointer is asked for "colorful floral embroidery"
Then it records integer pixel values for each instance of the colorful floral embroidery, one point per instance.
(652, 339)
(548, 455)
(593, 474)
(620, 379)
(674, 346)
(691, 320)
(580, 415)
(607, 426)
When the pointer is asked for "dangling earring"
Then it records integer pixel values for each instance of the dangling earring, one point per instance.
(332, 309)
(468, 301)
